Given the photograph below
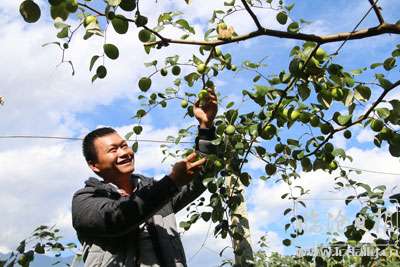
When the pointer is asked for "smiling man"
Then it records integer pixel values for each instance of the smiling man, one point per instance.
(127, 219)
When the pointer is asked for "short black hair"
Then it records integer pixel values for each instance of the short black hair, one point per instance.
(88, 148)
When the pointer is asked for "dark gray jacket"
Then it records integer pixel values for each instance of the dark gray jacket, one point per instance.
(108, 224)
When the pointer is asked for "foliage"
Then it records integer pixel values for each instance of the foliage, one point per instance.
(311, 101)
(44, 240)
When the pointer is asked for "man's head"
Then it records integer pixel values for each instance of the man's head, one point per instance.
(107, 153)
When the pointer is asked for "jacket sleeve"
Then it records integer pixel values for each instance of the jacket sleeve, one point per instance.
(94, 215)
(194, 189)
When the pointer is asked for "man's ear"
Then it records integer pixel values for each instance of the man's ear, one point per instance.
(93, 166)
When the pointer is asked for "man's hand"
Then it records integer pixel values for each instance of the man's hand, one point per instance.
(184, 171)
(206, 110)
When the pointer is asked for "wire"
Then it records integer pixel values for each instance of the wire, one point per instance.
(159, 141)
(80, 139)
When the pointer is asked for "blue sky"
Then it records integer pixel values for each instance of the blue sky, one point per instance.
(39, 176)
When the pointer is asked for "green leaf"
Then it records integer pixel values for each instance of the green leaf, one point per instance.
(389, 63)
(293, 27)
(137, 129)
(120, 24)
(396, 53)
(304, 91)
(206, 216)
(344, 119)
(111, 51)
(63, 33)
(362, 93)
(386, 84)
(375, 65)
(135, 147)
(383, 112)
(185, 25)
(282, 17)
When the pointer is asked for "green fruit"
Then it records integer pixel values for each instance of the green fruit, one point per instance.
(65, 45)
(201, 68)
(230, 129)
(128, 5)
(184, 103)
(218, 51)
(279, 148)
(141, 21)
(294, 115)
(176, 70)
(101, 71)
(88, 20)
(144, 84)
(144, 36)
(164, 72)
(320, 54)
(314, 121)
(72, 6)
(347, 134)
(306, 164)
(285, 113)
(270, 169)
(202, 94)
(120, 24)
(111, 51)
(328, 148)
(267, 132)
(376, 125)
(233, 68)
(333, 165)
(218, 164)
(221, 26)
(326, 128)
(30, 11)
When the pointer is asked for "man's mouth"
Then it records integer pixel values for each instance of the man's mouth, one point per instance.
(125, 161)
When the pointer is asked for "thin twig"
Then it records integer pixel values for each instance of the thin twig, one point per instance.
(377, 11)
(253, 16)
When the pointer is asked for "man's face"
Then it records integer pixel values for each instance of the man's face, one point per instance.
(114, 156)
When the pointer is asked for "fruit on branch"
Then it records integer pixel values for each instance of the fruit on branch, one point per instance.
(314, 121)
(376, 125)
(320, 54)
(201, 68)
(184, 103)
(72, 6)
(326, 128)
(230, 129)
(224, 31)
(337, 93)
(176, 70)
(347, 134)
(294, 115)
(267, 132)
(144, 36)
(30, 11)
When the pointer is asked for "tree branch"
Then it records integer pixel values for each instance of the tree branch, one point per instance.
(253, 16)
(377, 11)
(363, 117)
(360, 34)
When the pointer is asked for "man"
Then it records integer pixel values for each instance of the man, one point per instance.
(128, 220)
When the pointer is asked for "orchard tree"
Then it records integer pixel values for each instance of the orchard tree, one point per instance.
(313, 99)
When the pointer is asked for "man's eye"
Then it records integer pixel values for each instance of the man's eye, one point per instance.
(112, 150)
